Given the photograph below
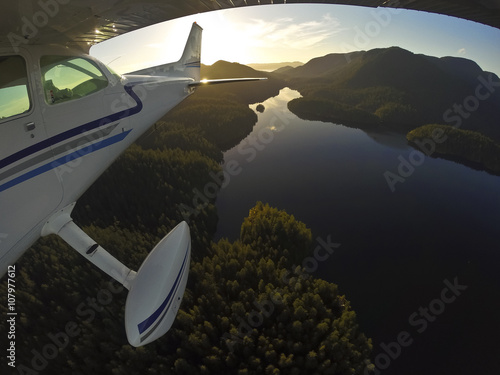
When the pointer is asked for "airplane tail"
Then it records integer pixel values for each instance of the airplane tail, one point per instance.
(189, 63)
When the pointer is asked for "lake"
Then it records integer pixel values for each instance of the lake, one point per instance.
(419, 263)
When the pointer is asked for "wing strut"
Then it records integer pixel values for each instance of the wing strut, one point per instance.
(62, 224)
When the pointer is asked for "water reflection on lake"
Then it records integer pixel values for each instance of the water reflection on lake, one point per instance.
(397, 248)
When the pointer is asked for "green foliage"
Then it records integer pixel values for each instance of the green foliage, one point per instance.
(163, 181)
(318, 109)
(172, 135)
(368, 99)
(463, 145)
(250, 314)
(222, 122)
(399, 116)
(280, 233)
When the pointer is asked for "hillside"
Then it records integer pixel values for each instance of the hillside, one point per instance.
(467, 69)
(245, 92)
(225, 69)
(272, 67)
(464, 146)
(322, 66)
(404, 90)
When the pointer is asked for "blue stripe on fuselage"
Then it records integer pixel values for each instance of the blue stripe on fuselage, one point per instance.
(69, 134)
(65, 159)
(76, 131)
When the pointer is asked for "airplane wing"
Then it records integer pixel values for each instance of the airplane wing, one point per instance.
(82, 23)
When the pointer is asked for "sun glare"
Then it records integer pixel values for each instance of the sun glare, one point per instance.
(219, 43)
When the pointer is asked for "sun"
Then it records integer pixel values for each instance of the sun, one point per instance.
(225, 37)
(221, 39)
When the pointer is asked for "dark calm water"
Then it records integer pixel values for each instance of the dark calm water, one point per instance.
(397, 248)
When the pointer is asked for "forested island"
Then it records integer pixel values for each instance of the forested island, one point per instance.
(249, 307)
(465, 146)
(318, 109)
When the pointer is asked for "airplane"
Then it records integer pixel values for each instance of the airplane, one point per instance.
(64, 118)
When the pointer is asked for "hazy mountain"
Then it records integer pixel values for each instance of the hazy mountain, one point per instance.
(466, 69)
(324, 65)
(224, 69)
(271, 67)
(283, 69)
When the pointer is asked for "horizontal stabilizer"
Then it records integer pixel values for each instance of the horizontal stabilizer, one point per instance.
(204, 82)
(189, 64)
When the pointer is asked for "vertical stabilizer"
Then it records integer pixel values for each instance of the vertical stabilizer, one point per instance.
(191, 57)
(189, 63)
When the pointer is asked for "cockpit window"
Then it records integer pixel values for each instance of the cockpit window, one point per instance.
(14, 97)
(68, 78)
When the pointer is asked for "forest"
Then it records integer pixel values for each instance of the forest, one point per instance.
(249, 307)
(465, 146)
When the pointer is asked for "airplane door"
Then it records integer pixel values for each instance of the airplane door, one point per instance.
(29, 190)
(79, 117)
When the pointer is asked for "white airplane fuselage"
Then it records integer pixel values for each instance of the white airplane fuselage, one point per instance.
(64, 118)
(52, 153)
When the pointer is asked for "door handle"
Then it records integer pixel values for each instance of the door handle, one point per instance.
(29, 126)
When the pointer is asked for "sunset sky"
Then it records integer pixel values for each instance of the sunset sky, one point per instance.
(278, 33)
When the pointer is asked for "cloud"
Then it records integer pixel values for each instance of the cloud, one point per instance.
(462, 51)
(289, 33)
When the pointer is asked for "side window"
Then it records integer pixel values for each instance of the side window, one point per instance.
(67, 78)
(14, 98)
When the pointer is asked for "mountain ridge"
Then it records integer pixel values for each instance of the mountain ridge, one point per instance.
(272, 67)
(403, 89)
